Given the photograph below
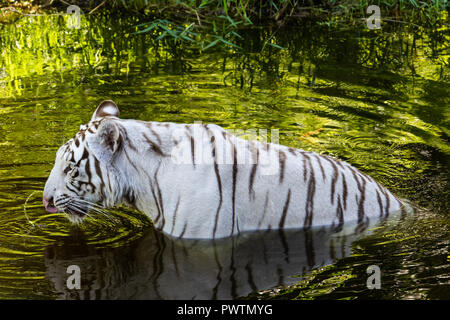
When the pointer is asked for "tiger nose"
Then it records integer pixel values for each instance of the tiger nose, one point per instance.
(48, 206)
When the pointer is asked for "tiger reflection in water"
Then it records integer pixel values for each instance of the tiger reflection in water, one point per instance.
(163, 267)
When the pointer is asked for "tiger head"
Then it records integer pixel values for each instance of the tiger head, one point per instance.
(84, 177)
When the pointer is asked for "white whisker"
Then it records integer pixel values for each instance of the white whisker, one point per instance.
(93, 207)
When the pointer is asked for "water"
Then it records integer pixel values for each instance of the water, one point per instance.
(378, 100)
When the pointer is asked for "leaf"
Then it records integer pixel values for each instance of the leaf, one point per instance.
(173, 34)
(162, 35)
(276, 46)
(186, 30)
(211, 44)
(225, 7)
(144, 30)
(236, 34)
(186, 38)
(231, 21)
(229, 43)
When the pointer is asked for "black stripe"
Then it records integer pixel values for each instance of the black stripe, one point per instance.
(131, 162)
(160, 196)
(345, 191)
(339, 163)
(379, 203)
(184, 230)
(232, 276)
(82, 134)
(332, 253)
(282, 159)
(388, 202)
(368, 178)
(304, 168)
(72, 156)
(87, 168)
(355, 178)
(219, 182)
(60, 202)
(192, 150)
(219, 277)
(158, 265)
(174, 259)
(67, 169)
(361, 188)
(361, 211)
(125, 135)
(285, 245)
(321, 167)
(219, 186)
(174, 216)
(285, 210)
(156, 148)
(280, 277)
(292, 151)
(97, 123)
(154, 197)
(85, 154)
(339, 216)
(334, 179)
(250, 280)
(235, 170)
(100, 175)
(156, 203)
(386, 196)
(309, 209)
(73, 189)
(149, 125)
(253, 172)
(130, 198)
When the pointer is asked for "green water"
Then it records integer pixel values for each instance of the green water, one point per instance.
(376, 99)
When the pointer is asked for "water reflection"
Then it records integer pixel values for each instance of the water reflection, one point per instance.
(161, 267)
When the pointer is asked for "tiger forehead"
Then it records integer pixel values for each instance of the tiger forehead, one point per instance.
(91, 127)
(80, 136)
(76, 144)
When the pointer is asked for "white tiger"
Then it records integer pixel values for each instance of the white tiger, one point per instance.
(199, 181)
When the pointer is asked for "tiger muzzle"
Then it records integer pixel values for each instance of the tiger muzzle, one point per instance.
(48, 206)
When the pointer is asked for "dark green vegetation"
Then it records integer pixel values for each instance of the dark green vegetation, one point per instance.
(252, 11)
(183, 20)
(377, 99)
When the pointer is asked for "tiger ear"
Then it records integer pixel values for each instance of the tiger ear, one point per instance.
(106, 108)
(106, 142)
(108, 136)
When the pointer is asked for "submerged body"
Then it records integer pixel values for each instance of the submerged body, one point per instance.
(199, 181)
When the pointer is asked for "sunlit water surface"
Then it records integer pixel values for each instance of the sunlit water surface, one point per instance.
(376, 99)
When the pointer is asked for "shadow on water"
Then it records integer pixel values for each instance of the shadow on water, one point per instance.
(161, 267)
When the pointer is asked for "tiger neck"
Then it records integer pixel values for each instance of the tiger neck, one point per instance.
(147, 146)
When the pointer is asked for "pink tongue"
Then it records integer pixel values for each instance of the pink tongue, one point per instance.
(49, 207)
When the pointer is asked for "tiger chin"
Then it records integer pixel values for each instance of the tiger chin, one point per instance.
(199, 181)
